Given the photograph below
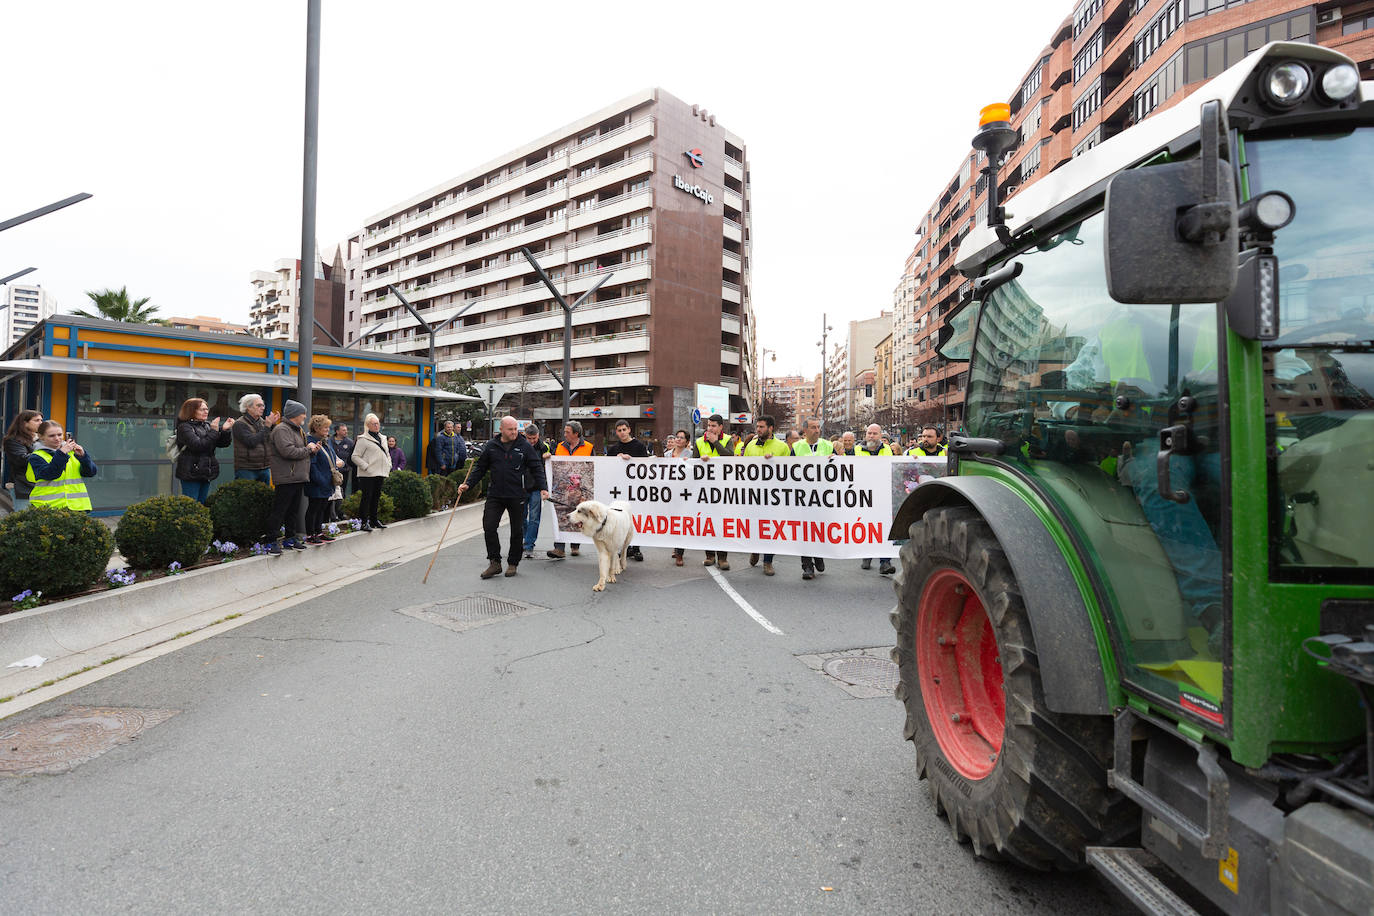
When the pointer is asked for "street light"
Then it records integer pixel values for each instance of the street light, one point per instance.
(825, 370)
(763, 376)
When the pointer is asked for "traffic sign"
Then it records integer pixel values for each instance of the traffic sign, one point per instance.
(696, 416)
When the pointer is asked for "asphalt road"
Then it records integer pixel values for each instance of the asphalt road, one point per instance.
(649, 749)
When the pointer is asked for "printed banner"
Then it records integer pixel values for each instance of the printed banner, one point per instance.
(831, 507)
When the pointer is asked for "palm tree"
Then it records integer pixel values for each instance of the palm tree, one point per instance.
(114, 305)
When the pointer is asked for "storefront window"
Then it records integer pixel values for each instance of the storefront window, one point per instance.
(339, 408)
(398, 419)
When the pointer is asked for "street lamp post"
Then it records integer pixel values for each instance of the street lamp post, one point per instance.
(763, 376)
(305, 329)
(567, 325)
(825, 371)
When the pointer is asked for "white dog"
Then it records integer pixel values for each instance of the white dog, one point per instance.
(611, 530)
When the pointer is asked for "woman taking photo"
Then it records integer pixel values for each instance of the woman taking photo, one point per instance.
(198, 437)
(373, 463)
(19, 442)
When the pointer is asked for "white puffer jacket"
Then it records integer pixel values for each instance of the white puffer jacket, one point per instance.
(371, 459)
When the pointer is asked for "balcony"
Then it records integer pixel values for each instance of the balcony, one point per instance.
(730, 292)
(733, 167)
(610, 208)
(733, 231)
(729, 355)
(732, 199)
(730, 324)
(731, 261)
(641, 129)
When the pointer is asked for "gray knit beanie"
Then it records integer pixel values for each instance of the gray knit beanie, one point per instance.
(293, 409)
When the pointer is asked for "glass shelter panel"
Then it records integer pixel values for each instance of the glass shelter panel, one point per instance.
(1079, 387)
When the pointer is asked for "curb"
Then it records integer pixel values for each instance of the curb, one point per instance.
(86, 631)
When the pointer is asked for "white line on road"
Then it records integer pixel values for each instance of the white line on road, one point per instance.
(739, 599)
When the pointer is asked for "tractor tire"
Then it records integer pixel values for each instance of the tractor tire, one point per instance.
(1019, 782)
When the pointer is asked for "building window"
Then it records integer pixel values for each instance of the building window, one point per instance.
(636, 254)
(1088, 142)
(1084, 14)
(1032, 84)
(1087, 104)
(1158, 88)
(1206, 58)
(1088, 55)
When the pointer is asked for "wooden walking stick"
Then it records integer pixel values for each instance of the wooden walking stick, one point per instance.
(425, 580)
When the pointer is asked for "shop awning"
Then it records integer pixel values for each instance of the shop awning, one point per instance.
(12, 367)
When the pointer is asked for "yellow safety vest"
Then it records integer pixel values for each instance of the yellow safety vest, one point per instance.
(822, 447)
(884, 451)
(66, 492)
(774, 447)
(706, 448)
(917, 451)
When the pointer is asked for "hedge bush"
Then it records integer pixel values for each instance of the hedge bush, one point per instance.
(409, 492)
(239, 510)
(473, 493)
(54, 551)
(442, 491)
(386, 507)
(158, 531)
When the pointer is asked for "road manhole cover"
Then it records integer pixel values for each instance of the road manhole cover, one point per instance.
(863, 671)
(470, 611)
(58, 743)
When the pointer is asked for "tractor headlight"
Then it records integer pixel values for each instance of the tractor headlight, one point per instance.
(1287, 85)
(1340, 82)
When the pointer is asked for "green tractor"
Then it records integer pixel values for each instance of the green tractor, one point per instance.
(1135, 626)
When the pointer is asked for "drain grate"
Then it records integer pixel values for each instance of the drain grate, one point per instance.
(471, 611)
(59, 743)
(863, 671)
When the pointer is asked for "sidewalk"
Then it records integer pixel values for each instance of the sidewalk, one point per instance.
(120, 628)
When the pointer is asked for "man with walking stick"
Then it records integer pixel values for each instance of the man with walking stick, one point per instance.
(509, 457)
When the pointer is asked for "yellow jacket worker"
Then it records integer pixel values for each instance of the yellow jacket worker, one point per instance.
(55, 469)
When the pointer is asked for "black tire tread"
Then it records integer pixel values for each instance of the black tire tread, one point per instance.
(1047, 798)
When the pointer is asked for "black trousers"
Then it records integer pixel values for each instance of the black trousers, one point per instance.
(491, 518)
(286, 503)
(371, 488)
(315, 514)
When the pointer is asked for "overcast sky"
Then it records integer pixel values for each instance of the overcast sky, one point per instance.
(184, 119)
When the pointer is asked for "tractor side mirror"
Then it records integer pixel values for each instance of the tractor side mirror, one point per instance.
(1171, 229)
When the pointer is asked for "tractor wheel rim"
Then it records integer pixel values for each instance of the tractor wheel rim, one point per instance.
(960, 672)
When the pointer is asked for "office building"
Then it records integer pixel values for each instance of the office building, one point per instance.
(646, 202)
(1107, 66)
(275, 312)
(24, 304)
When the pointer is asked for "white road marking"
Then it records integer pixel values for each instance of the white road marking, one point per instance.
(744, 605)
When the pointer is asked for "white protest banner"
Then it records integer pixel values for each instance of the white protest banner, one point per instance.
(832, 507)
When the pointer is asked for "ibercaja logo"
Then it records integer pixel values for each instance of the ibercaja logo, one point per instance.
(695, 157)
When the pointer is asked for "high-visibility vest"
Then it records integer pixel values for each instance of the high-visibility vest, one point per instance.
(917, 451)
(706, 448)
(884, 451)
(66, 492)
(822, 447)
(585, 448)
(773, 447)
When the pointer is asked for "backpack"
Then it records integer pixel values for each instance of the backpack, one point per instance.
(173, 450)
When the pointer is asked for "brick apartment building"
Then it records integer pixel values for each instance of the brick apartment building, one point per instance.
(1107, 66)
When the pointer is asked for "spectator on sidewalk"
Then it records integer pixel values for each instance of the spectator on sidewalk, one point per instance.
(343, 450)
(20, 440)
(320, 487)
(452, 451)
(398, 457)
(627, 447)
(198, 436)
(371, 465)
(509, 458)
(289, 460)
(56, 468)
(534, 502)
(250, 439)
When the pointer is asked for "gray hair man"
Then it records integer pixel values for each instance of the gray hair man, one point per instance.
(250, 433)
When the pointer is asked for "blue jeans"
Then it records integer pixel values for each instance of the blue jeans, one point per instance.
(265, 475)
(199, 490)
(534, 511)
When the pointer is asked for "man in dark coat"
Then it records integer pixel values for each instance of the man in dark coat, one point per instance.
(508, 457)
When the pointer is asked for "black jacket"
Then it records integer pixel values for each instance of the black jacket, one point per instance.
(17, 453)
(635, 448)
(508, 464)
(198, 442)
